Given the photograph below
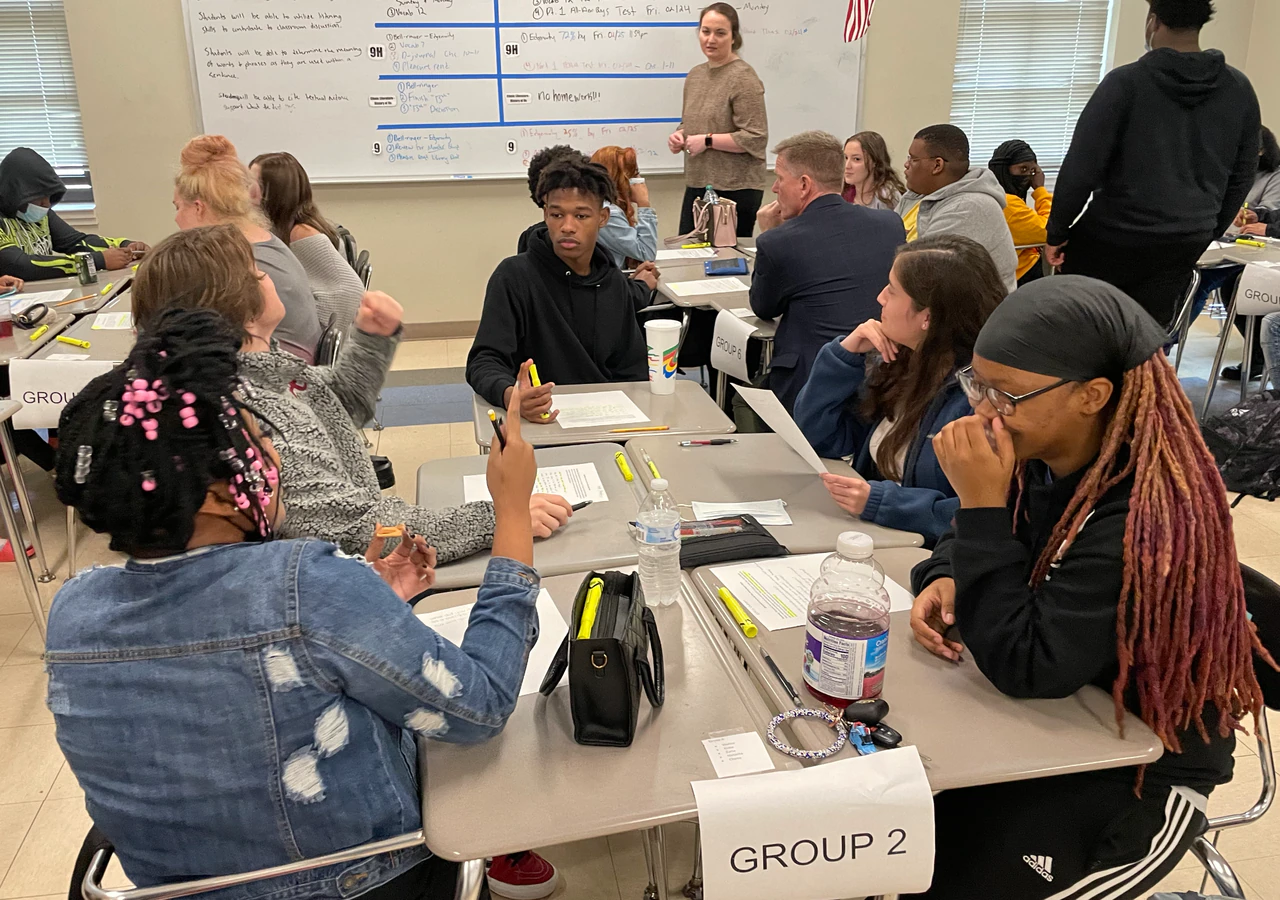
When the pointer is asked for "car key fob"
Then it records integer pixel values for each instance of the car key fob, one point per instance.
(884, 736)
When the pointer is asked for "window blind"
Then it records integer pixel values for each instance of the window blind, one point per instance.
(38, 103)
(1025, 69)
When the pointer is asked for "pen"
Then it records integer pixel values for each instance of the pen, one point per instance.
(502, 440)
(72, 341)
(1250, 243)
(621, 459)
(536, 382)
(103, 292)
(649, 462)
(583, 505)
(782, 679)
(714, 442)
(38, 333)
(739, 614)
(638, 430)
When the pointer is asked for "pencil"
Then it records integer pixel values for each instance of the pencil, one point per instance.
(638, 430)
(502, 440)
(76, 300)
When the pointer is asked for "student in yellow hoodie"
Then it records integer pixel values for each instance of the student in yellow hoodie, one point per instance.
(1015, 166)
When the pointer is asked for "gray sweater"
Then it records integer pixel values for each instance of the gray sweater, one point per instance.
(330, 489)
(336, 286)
(972, 207)
(1265, 191)
(299, 333)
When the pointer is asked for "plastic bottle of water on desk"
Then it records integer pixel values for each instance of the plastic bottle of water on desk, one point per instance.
(658, 542)
(710, 197)
(847, 638)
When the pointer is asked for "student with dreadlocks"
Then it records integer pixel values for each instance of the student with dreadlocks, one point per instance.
(312, 663)
(562, 303)
(1015, 166)
(1092, 546)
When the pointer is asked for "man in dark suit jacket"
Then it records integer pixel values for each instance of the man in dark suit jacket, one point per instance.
(820, 261)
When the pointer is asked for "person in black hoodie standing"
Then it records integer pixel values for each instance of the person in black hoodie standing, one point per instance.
(1093, 546)
(1164, 153)
(562, 303)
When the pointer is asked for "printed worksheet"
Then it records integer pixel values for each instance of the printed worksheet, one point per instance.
(19, 302)
(708, 286)
(597, 410)
(766, 512)
(113, 321)
(577, 484)
(695, 253)
(451, 624)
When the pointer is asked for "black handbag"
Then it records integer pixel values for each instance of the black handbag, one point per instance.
(608, 668)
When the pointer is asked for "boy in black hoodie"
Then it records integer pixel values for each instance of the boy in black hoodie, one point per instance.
(35, 242)
(562, 303)
(1167, 148)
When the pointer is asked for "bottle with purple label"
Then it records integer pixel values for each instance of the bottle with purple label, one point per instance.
(847, 638)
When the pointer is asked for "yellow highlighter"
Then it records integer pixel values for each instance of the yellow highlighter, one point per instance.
(653, 469)
(38, 333)
(75, 342)
(621, 459)
(590, 608)
(103, 292)
(536, 382)
(739, 614)
(1249, 243)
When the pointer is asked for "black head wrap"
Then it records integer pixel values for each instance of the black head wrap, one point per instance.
(1069, 326)
(1008, 154)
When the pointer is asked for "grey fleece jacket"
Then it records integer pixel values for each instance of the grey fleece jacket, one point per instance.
(330, 489)
(972, 207)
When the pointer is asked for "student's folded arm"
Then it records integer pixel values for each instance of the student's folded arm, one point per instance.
(646, 233)
(492, 363)
(938, 565)
(1026, 224)
(359, 373)
(919, 510)
(1043, 642)
(1093, 145)
(32, 267)
(1243, 172)
(67, 239)
(366, 643)
(638, 241)
(824, 411)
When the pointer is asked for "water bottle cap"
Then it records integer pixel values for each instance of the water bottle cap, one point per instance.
(855, 545)
(660, 484)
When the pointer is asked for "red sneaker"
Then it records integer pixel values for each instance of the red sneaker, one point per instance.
(522, 876)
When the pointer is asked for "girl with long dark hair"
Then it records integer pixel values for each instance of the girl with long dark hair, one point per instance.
(869, 176)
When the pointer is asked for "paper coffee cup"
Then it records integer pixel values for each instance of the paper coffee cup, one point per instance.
(663, 338)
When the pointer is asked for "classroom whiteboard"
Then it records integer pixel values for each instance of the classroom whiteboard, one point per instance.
(392, 90)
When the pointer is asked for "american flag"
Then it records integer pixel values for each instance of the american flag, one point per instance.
(858, 20)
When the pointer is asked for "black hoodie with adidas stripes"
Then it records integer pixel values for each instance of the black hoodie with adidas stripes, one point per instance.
(1051, 641)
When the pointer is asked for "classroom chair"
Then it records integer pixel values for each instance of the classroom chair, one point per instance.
(1182, 324)
(347, 243)
(330, 343)
(1262, 598)
(470, 877)
(364, 268)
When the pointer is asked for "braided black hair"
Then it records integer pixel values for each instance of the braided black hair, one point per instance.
(545, 157)
(140, 446)
(570, 174)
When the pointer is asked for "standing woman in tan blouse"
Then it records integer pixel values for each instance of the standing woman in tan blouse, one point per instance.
(723, 126)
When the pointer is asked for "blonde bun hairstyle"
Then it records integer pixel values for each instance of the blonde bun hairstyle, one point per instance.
(212, 173)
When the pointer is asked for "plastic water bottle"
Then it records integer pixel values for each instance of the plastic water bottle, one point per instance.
(847, 638)
(711, 198)
(658, 542)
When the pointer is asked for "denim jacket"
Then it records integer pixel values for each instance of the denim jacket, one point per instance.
(249, 705)
(827, 413)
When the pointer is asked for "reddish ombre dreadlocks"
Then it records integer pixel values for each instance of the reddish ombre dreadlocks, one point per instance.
(1181, 629)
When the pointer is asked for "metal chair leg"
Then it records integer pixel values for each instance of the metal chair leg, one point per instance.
(693, 890)
(1182, 325)
(1218, 868)
(19, 547)
(72, 534)
(1217, 357)
(470, 880)
(1246, 367)
(655, 857)
(24, 502)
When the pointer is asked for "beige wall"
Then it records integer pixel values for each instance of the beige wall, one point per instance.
(434, 244)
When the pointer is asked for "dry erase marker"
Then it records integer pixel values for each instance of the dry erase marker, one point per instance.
(72, 341)
(536, 382)
(1250, 243)
(621, 459)
(38, 333)
(714, 442)
(493, 419)
(739, 614)
(640, 430)
(649, 462)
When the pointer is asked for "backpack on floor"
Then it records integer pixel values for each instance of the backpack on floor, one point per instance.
(1245, 441)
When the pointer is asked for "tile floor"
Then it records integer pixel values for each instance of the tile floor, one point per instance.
(42, 817)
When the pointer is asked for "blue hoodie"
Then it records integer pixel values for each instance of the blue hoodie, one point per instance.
(827, 413)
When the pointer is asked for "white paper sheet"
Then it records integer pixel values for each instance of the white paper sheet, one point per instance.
(730, 340)
(707, 286)
(775, 592)
(574, 483)
(695, 253)
(856, 826)
(597, 410)
(767, 512)
(19, 302)
(67, 356)
(114, 321)
(770, 408)
(451, 624)
(738, 754)
(743, 312)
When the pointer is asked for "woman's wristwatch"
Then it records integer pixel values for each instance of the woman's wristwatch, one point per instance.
(709, 141)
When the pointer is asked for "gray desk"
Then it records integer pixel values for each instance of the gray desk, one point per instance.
(20, 346)
(760, 467)
(596, 537)
(967, 732)
(111, 345)
(1241, 253)
(532, 786)
(116, 278)
(688, 411)
(672, 274)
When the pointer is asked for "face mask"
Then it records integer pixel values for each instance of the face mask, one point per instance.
(33, 214)
(1022, 183)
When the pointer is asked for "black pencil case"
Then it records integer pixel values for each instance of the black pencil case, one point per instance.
(753, 542)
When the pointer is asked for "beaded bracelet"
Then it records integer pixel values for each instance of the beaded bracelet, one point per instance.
(842, 733)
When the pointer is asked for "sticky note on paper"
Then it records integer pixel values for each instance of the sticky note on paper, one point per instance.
(738, 754)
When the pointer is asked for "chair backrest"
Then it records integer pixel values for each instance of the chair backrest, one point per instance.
(348, 243)
(1262, 599)
(330, 343)
(364, 268)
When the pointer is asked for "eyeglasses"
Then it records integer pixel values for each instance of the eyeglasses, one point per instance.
(912, 160)
(1001, 401)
